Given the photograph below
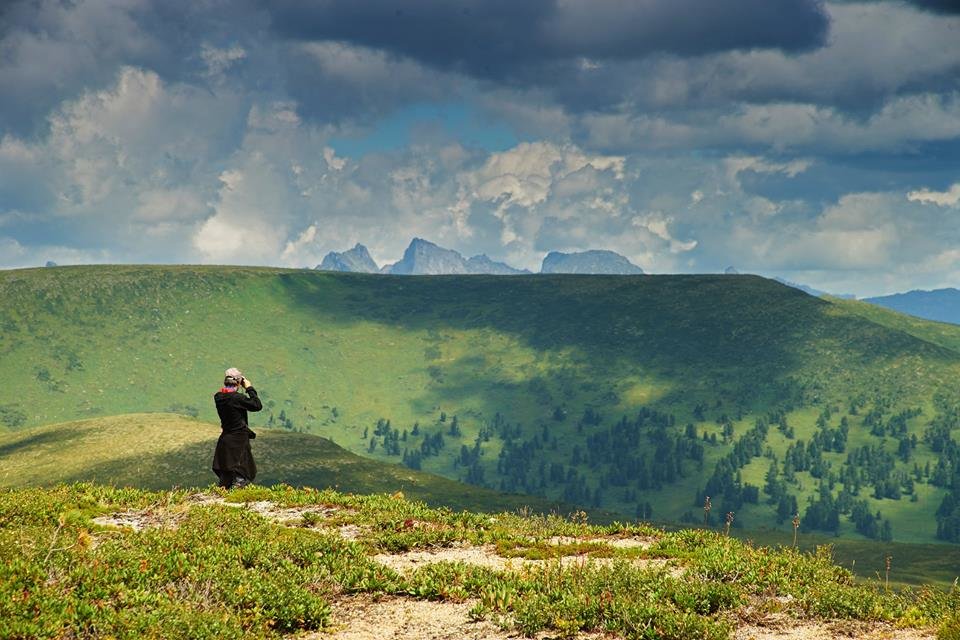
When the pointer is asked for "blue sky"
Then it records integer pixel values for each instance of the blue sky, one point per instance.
(427, 123)
(815, 141)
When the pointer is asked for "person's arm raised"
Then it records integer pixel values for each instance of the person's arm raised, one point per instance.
(252, 401)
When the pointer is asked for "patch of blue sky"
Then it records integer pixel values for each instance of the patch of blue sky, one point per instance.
(428, 123)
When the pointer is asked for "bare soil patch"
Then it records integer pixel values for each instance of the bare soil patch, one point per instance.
(486, 556)
(289, 515)
(636, 542)
(366, 618)
(630, 543)
(350, 531)
(778, 627)
(136, 520)
(160, 517)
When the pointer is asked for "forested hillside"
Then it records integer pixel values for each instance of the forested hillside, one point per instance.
(638, 394)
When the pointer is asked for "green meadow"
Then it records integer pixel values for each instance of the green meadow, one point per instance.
(155, 451)
(516, 385)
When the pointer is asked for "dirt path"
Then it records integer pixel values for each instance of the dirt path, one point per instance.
(783, 628)
(365, 618)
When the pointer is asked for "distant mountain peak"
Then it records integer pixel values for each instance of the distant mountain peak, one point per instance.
(356, 260)
(423, 257)
(731, 271)
(595, 261)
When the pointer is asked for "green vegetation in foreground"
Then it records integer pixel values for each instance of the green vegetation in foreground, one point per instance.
(634, 394)
(162, 451)
(910, 564)
(225, 572)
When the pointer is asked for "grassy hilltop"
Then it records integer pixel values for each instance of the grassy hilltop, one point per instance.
(634, 394)
(93, 561)
(161, 451)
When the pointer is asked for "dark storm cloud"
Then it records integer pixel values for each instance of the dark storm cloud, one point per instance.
(496, 38)
(938, 6)
(53, 50)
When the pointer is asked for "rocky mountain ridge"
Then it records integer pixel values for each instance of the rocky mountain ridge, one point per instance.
(423, 257)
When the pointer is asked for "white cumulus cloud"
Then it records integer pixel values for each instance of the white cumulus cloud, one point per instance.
(948, 198)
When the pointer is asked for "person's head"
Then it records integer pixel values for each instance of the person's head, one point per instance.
(232, 377)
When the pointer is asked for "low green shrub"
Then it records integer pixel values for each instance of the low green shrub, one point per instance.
(224, 572)
(950, 629)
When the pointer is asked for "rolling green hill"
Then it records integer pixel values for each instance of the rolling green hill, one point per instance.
(942, 333)
(158, 451)
(638, 394)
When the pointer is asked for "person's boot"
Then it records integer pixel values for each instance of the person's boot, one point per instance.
(239, 482)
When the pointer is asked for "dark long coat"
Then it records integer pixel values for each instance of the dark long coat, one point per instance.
(233, 456)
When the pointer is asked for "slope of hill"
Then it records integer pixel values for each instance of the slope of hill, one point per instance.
(945, 334)
(160, 451)
(941, 305)
(91, 561)
(631, 393)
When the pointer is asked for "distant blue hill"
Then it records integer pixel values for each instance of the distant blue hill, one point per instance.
(942, 305)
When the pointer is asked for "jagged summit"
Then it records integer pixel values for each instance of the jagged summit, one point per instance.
(357, 259)
(593, 261)
(423, 257)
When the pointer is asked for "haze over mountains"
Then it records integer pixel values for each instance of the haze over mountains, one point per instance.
(942, 305)
(426, 258)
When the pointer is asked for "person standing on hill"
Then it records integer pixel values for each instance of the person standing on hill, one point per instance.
(233, 460)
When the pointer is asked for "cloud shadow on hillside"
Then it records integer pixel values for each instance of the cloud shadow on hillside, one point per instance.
(690, 328)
